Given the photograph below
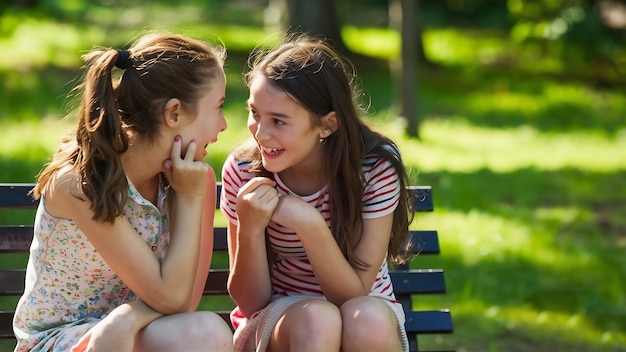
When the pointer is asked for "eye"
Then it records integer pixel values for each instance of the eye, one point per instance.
(252, 113)
(278, 122)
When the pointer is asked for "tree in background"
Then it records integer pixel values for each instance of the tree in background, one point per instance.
(315, 17)
(403, 17)
(321, 18)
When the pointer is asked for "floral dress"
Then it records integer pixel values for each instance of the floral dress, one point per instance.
(69, 287)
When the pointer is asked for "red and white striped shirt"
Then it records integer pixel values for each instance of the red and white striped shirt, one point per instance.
(291, 271)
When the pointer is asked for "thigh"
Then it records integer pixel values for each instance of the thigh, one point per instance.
(194, 331)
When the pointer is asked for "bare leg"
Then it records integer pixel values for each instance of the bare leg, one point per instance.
(195, 331)
(313, 325)
(369, 325)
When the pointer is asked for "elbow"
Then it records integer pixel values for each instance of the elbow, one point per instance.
(248, 305)
(172, 302)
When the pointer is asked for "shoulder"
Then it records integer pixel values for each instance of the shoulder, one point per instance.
(236, 170)
(63, 193)
(376, 168)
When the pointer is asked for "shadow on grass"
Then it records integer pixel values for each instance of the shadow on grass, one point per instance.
(33, 93)
(495, 98)
(518, 194)
(579, 271)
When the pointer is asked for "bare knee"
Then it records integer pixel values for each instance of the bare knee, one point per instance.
(369, 324)
(186, 331)
(211, 330)
(310, 325)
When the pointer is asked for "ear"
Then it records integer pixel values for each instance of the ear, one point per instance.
(329, 124)
(171, 113)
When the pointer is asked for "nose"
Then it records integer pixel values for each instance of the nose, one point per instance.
(260, 131)
(223, 124)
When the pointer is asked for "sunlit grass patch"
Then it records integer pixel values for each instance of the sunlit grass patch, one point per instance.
(522, 280)
(522, 328)
(454, 144)
(376, 42)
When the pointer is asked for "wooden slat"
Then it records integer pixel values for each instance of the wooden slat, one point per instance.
(12, 282)
(6, 325)
(17, 239)
(15, 196)
(422, 322)
(429, 322)
(417, 281)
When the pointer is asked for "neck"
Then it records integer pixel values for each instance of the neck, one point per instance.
(303, 182)
(140, 169)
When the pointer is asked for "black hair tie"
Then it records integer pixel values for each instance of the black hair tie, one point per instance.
(123, 59)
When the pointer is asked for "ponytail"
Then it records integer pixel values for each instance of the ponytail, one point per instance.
(156, 68)
(101, 139)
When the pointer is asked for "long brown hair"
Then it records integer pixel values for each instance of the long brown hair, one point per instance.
(309, 71)
(158, 67)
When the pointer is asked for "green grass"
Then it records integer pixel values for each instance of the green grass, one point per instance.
(527, 164)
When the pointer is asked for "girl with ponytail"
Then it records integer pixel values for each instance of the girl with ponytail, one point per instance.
(124, 229)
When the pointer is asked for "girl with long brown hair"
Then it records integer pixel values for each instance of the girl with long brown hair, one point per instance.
(124, 229)
(317, 208)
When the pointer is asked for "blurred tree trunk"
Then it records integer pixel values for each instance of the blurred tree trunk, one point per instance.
(314, 17)
(403, 17)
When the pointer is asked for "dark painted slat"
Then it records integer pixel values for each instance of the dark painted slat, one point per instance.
(17, 239)
(15, 195)
(6, 325)
(422, 322)
(12, 282)
(429, 322)
(418, 281)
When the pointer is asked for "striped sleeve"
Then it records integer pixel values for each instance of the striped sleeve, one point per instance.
(234, 177)
(382, 188)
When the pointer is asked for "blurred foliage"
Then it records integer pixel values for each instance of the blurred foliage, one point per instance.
(524, 142)
(587, 36)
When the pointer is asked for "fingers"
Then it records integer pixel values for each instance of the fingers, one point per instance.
(255, 183)
(185, 174)
(191, 151)
(177, 146)
(81, 345)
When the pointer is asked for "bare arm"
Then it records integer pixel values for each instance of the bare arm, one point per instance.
(337, 278)
(117, 331)
(167, 286)
(206, 240)
(249, 282)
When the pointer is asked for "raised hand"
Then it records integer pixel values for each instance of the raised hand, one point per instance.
(186, 175)
(256, 202)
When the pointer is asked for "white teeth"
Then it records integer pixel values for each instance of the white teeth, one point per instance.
(272, 150)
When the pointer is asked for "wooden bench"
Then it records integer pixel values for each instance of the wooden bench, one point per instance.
(15, 238)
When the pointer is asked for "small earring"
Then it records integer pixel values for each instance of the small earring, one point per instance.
(322, 140)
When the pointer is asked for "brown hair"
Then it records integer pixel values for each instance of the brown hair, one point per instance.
(157, 67)
(309, 71)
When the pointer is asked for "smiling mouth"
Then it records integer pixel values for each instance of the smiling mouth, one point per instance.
(272, 151)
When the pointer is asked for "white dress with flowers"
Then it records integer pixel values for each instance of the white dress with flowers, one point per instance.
(69, 287)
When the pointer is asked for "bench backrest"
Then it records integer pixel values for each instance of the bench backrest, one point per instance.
(16, 238)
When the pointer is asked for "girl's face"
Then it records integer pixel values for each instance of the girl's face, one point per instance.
(282, 129)
(208, 121)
